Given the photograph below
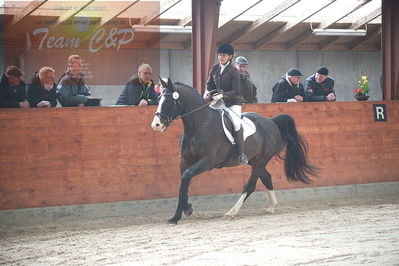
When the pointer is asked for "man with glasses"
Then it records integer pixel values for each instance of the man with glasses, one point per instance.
(140, 89)
(42, 88)
(13, 89)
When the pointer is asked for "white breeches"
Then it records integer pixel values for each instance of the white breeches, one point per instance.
(234, 112)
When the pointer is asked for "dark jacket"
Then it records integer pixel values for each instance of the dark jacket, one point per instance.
(283, 90)
(135, 91)
(317, 92)
(11, 96)
(248, 89)
(36, 93)
(72, 91)
(228, 82)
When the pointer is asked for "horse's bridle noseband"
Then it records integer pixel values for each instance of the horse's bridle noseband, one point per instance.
(169, 118)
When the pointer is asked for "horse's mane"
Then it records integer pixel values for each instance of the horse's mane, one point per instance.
(185, 87)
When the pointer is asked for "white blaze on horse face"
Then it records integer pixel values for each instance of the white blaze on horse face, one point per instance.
(156, 122)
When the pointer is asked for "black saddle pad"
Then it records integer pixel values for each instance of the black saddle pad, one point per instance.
(93, 102)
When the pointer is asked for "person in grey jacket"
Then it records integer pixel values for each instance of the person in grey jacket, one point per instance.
(72, 89)
(140, 89)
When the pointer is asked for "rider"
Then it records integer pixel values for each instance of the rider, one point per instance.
(224, 79)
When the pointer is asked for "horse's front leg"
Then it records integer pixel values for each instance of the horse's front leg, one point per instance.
(201, 166)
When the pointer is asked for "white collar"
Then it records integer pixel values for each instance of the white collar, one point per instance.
(222, 67)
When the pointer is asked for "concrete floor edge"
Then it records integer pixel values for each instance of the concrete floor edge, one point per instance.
(34, 216)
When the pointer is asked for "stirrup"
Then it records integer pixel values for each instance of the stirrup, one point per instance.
(243, 159)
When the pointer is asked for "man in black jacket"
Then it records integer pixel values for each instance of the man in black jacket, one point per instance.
(13, 89)
(140, 89)
(42, 89)
(320, 87)
(289, 88)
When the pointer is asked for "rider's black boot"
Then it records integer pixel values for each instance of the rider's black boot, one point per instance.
(239, 140)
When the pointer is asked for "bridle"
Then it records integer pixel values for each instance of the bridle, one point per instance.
(169, 118)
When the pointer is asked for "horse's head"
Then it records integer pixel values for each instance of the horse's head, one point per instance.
(169, 107)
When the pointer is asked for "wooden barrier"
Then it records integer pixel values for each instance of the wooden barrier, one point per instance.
(63, 156)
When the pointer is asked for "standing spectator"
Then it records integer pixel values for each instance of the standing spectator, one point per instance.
(289, 88)
(140, 89)
(320, 87)
(42, 89)
(13, 89)
(247, 87)
(72, 89)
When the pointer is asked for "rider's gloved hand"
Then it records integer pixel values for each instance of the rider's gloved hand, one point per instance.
(217, 97)
(206, 94)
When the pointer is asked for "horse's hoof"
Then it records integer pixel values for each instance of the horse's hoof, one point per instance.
(189, 210)
(270, 210)
(228, 217)
(172, 221)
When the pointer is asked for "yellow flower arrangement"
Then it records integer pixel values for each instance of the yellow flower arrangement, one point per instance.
(363, 86)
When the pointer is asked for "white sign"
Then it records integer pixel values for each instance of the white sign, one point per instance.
(114, 38)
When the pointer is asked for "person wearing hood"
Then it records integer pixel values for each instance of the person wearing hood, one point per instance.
(42, 88)
(289, 88)
(140, 89)
(13, 89)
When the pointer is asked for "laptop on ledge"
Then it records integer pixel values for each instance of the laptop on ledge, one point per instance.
(93, 102)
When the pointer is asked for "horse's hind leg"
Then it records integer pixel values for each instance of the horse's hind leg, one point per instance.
(248, 189)
(266, 179)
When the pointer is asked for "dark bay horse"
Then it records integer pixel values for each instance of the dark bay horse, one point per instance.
(204, 145)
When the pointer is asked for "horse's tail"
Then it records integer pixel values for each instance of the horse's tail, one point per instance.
(296, 165)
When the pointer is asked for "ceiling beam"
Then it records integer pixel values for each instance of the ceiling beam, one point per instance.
(164, 6)
(340, 14)
(366, 19)
(370, 34)
(237, 11)
(289, 26)
(185, 21)
(26, 11)
(261, 21)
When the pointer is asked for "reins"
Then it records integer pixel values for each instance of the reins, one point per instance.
(192, 111)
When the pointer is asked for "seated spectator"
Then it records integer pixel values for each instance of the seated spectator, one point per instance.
(320, 87)
(247, 88)
(42, 89)
(140, 89)
(289, 88)
(13, 89)
(72, 89)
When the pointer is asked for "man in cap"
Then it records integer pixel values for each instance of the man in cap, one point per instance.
(247, 88)
(289, 88)
(319, 87)
(13, 89)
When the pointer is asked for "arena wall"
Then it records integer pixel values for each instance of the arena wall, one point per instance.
(68, 156)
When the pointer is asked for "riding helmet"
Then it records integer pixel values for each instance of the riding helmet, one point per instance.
(226, 48)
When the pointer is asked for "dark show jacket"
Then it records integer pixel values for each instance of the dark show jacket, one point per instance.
(135, 91)
(72, 91)
(36, 93)
(283, 90)
(11, 96)
(317, 92)
(228, 82)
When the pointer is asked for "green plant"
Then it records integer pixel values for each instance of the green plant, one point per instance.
(363, 86)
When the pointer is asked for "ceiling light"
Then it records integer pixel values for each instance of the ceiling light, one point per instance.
(162, 29)
(339, 32)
